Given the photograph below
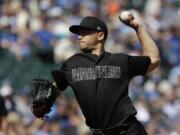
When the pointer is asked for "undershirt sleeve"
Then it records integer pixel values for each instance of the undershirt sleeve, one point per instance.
(3, 111)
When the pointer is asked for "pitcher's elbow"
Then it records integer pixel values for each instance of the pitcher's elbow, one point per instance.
(155, 62)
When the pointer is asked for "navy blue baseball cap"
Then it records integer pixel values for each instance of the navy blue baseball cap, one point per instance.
(90, 23)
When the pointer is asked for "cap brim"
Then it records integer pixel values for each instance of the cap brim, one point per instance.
(76, 29)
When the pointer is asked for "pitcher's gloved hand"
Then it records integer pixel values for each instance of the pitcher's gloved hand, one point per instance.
(44, 94)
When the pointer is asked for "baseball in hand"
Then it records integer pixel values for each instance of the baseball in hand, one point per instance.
(124, 15)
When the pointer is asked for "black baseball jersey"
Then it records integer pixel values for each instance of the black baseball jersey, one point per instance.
(100, 84)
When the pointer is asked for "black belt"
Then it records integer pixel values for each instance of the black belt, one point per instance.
(109, 131)
(112, 130)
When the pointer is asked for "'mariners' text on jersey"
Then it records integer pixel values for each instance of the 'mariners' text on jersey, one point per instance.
(82, 73)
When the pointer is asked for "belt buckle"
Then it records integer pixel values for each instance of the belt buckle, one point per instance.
(97, 131)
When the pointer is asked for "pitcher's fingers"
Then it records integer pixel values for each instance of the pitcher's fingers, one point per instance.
(131, 16)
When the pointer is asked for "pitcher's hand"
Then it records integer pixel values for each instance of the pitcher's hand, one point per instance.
(131, 21)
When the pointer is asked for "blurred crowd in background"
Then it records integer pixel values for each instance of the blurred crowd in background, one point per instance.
(36, 32)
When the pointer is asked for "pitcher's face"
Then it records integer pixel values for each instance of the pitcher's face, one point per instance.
(87, 39)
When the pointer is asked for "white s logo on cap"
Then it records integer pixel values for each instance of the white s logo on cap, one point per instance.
(98, 28)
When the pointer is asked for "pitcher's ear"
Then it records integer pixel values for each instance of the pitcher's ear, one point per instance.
(101, 35)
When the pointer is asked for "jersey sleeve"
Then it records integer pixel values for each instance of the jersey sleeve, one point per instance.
(60, 77)
(138, 65)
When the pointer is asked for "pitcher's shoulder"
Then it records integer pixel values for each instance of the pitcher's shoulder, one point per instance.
(120, 55)
(74, 57)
